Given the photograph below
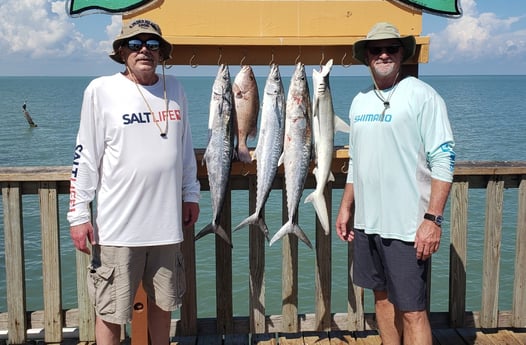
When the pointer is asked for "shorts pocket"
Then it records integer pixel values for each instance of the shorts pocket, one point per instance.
(180, 277)
(101, 289)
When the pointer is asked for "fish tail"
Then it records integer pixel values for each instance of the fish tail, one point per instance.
(320, 206)
(291, 228)
(213, 228)
(255, 219)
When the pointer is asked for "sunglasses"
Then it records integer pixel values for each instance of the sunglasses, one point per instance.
(380, 50)
(137, 44)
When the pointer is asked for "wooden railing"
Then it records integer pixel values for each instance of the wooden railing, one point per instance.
(49, 182)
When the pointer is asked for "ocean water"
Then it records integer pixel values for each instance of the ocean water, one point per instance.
(488, 121)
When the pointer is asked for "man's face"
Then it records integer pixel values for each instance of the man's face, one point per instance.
(384, 57)
(141, 53)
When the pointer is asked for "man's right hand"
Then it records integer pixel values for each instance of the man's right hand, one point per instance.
(80, 234)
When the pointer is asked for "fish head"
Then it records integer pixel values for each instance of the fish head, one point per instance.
(245, 82)
(222, 81)
(299, 86)
(274, 84)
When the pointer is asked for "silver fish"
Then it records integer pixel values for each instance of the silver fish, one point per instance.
(270, 145)
(246, 100)
(220, 148)
(296, 150)
(324, 124)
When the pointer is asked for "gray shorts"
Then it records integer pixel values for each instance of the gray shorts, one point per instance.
(390, 265)
(116, 272)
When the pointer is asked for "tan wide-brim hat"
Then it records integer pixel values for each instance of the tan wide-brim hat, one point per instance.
(137, 27)
(384, 31)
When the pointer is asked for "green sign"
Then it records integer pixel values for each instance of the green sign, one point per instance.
(442, 7)
(78, 7)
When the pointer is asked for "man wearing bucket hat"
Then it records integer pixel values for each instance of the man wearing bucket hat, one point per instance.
(134, 153)
(400, 173)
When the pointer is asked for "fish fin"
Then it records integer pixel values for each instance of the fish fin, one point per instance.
(212, 228)
(320, 206)
(326, 69)
(291, 228)
(255, 219)
(205, 231)
(340, 125)
(247, 221)
(221, 233)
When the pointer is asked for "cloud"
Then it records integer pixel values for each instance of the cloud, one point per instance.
(478, 36)
(41, 29)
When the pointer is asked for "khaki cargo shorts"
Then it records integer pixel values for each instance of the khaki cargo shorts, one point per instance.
(116, 272)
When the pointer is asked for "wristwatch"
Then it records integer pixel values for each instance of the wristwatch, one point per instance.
(435, 219)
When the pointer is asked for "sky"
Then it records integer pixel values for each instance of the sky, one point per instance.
(37, 37)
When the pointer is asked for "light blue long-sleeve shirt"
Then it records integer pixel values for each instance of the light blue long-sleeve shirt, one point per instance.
(393, 158)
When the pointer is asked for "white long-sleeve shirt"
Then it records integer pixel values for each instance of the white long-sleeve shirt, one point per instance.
(394, 158)
(139, 178)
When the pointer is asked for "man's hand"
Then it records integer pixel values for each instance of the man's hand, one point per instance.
(427, 240)
(80, 234)
(344, 225)
(190, 213)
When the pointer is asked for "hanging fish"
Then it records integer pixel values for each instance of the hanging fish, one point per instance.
(220, 149)
(296, 150)
(324, 124)
(246, 100)
(270, 145)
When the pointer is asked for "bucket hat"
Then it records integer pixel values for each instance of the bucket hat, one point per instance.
(137, 27)
(384, 31)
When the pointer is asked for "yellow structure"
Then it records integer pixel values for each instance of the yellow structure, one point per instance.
(258, 32)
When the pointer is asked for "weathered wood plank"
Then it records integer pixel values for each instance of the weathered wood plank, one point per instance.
(323, 271)
(476, 337)
(458, 253)
(290, 338)
(446, 336)
(236, 339)
(492, 241)
(189, 305)
(225, 308)
(215, 339)
(86, 314)
(264, 339)
(519, 286)
(289, 276)
(355, 296)
(257, 242)
(341, 338)
(316, 338)
(507, 337)
(14, 261)
(368, 338)
(51, 262)
(184, 340)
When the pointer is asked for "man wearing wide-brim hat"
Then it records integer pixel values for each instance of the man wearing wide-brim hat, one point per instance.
(134, 153)
(400, 172)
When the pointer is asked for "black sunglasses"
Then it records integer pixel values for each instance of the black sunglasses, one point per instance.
(379, 50)
(136, 44)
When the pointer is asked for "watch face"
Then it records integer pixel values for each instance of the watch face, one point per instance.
(439, 220)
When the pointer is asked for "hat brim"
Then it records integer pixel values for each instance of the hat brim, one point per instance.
(408, 42)
(166, 48)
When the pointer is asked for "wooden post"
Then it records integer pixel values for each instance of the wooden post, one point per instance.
(323, 272)
(139, 331)
(51, 262)
(257, 268)
(14, 259)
